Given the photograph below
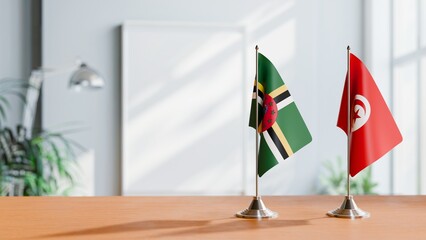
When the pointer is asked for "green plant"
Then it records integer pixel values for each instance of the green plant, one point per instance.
(41, 164)
(35, 166)
(335, 177)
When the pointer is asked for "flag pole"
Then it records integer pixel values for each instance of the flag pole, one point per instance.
(257, 208)
(348, 184)
(348, 209)
(257, 122)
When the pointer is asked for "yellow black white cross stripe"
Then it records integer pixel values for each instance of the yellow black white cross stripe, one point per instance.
(274, 136)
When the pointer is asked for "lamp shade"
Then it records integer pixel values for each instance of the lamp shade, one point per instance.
(86, 77)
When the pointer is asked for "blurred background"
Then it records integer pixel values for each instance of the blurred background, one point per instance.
(172, 117)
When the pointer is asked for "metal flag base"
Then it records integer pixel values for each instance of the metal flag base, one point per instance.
(257, 209)
(349, 209)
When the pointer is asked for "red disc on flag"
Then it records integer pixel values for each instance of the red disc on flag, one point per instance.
(270, 112)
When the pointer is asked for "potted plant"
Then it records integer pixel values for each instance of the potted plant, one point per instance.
(334, 180)
(40, 164)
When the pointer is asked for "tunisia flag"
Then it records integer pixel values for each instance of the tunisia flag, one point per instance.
(373, 129)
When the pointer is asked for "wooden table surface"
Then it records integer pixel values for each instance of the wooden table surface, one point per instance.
(300, 217)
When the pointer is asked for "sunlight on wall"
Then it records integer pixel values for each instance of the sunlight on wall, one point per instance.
(405, 14)
(275, 37)
(266, 13)
(203, 52)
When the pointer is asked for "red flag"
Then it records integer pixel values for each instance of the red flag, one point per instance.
(374, 131)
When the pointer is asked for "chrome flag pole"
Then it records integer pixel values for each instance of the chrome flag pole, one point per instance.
(257, 208)
(348, 209)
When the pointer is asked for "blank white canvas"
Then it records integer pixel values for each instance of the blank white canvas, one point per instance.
(183, 109)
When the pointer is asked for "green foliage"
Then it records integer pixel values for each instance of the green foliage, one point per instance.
(335, 177)
(35, 166)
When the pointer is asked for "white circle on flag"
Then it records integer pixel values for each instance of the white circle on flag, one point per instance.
(361, 112)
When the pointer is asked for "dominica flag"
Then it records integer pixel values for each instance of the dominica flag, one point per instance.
(281, 127)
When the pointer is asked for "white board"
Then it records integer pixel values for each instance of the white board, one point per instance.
(183, 109)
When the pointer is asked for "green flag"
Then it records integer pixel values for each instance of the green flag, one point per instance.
(281, 127)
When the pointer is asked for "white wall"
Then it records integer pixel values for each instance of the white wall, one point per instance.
(340, 23)
(404, 171)
(15, 48)
(305, 39)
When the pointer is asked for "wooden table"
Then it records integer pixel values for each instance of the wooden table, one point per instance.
(301, 217)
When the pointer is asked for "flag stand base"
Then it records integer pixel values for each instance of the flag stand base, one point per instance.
(349, 209)
(257, 209)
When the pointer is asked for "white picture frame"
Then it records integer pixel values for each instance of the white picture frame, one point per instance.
(184, 109)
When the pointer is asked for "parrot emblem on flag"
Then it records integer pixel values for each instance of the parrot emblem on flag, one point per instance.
(270, 113)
